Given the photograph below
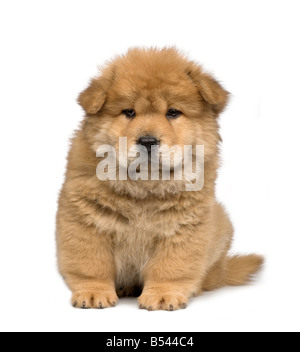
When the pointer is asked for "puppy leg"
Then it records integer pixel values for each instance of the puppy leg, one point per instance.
(215, 277)
(218, 250)
(173, 275)
(87, 265)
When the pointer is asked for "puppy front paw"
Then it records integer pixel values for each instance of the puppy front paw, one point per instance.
(160, 299)
(97, 299)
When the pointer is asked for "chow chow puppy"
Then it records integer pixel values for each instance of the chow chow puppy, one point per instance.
(147, 238)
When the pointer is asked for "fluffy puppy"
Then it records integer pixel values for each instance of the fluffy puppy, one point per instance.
(151, 238)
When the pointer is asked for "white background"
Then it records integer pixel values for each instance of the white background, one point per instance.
(50, 49)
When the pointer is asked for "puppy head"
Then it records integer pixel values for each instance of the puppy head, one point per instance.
(153, 97)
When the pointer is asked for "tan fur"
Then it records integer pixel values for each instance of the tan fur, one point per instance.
(122, 237)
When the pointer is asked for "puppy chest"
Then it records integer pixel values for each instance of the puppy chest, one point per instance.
(132, 252)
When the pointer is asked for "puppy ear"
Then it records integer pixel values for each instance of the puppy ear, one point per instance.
(210, 89)
(93, 98)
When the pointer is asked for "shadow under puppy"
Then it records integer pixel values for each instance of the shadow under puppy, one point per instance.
(153, 238)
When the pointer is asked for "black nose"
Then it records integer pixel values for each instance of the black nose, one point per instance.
(148, 141)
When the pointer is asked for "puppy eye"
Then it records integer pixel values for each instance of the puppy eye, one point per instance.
(130, 113)
(173, 114)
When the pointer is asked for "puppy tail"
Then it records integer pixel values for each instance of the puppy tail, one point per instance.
(241, 270)
(233, 271)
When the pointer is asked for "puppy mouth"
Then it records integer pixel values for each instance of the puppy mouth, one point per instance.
(155, 160)
(151, 154)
